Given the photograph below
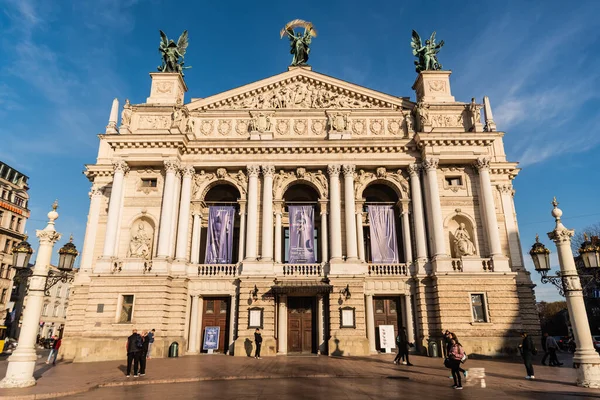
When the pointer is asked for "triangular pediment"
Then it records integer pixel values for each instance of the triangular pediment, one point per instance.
(300, 88)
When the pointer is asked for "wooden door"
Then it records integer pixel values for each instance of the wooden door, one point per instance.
(215, 312)
(387, 312)
(301, 337)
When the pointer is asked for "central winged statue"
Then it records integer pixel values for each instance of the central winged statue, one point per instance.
(426, 54)
(173, 53)
(299, 42)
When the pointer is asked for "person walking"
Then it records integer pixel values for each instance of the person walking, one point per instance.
(54, 351)
(144, 352)
(552, 347)
(402, 342)
(258, 341)
(455, 356)
(134, 346)
(546, 352)
(528, 350)
(150, 341)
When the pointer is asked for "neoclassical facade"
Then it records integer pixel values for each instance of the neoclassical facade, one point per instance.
(406, 220)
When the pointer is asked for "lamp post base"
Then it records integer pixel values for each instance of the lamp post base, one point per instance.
(20, 371)
(587, 364)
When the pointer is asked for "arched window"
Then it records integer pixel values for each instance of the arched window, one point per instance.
(45, 310)
(55, 313)
(296, 198)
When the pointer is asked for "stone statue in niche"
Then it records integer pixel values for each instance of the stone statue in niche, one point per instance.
(463, 246)
(474, 113)
(140, 243)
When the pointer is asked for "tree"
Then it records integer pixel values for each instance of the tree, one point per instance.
(553, 317)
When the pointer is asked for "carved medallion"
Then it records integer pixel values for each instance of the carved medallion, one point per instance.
(376, 127)
(241, 127)
(358, 126)
(282, 126)
(261, 121)
(224, 127)
(206, 127)
(300, 126)
(394, 126)
(437, 86)
(318, 127)
(164, 87)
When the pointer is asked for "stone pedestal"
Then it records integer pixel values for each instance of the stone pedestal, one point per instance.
(255, 135)
(167, 88)
(433, 87)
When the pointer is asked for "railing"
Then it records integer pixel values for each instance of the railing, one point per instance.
(472, 264)
(302, 269)
(457, 264)
(388, 269)
(218, 270)
(488, 265)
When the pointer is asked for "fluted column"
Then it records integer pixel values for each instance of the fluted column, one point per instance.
(370, 324)
(253, 171)
(335, 211)
(114, 208)
(175, 213)
(196, 229)
(166, 215)
(359, 231)
(418, 216)
(404, 207)
(430, 166)
(278, 214)
(349, 210)
(193, 344)
(242, 242)
(267, 216)
(91, 230)
(489, 209)
(324, 234)
(184, 213)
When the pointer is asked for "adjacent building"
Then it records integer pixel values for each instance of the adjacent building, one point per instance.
(328, 214)
(13, 217)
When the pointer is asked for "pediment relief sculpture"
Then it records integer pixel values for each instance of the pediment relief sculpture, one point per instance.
(337, 121)
(261, 121)
(282, 179)
(364, 178)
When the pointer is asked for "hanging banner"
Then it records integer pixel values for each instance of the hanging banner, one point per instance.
(219, 241)
(384, 246)
(302, 235)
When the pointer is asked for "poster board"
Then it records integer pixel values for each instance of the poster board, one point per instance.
(387, 339)
(211, 338)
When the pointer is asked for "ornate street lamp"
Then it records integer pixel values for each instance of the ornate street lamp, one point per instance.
(21, 254)
(590, 252)
(567, 280)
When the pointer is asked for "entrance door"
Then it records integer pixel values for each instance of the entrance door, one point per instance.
(387, 312)
(215, 312)
(301, 318)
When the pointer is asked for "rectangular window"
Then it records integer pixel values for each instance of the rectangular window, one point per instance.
(19, 222)
(19, 201)
(12, 223)
(126, 308)
(478, 307)
(149, 182)
(453, 181)
(6, 246)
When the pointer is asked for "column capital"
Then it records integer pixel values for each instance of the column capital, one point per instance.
(506, 189)
(482, 163)
(349, 170)
(278, 207)
(172, 166)
(404, 206)
(431, 163)
(413, 169)
(120, 166)
(268, 170)
(96, 191)
(358, 206)
(188, 171)
(253, 170)
(333, 170)
(323, 207)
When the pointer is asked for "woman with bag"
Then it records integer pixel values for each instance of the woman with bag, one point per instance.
(455, 356)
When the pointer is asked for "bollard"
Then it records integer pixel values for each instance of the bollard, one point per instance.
(174, 349)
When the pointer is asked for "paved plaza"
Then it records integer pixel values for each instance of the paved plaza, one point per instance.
(296, 377)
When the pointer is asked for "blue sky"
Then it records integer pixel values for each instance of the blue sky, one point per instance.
(64, 62)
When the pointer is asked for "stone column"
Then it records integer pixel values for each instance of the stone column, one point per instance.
(166, 214)
(242, 233)
(410, 325)
(282, 325)
(253, 171)
(439, 243)
(200, 334)
(175, 213)
(510, 221)
(91, 230)
(320, 325)
(278, 214)
(196, 229)
(370, 324)
(184, 213)
(418, 216)
(114, 208)
(267, 216)
(232, 319)
(404, 210)
(193, 337)
(335, 212)
(349, 210)
(324, 234)
(359, 231)
(483, 166)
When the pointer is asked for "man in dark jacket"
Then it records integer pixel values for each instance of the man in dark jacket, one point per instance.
(402, 343)
(546, 353)
(258, 341)
(144, 352)
(527, 352)
(134, 347)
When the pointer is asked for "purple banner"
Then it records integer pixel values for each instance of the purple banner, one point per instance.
(302, 235)
(384, 246)
(219, 241)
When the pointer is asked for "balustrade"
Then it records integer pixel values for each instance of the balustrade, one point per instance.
(388, 269)
(218, 270)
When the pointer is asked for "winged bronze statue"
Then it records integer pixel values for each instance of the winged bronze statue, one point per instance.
(299, 42)
(173, 53)
(427, 53)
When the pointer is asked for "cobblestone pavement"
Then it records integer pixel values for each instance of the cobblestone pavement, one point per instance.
(295, 377)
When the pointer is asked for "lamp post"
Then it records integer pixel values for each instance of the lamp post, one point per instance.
(21, 364)
(586, 360)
